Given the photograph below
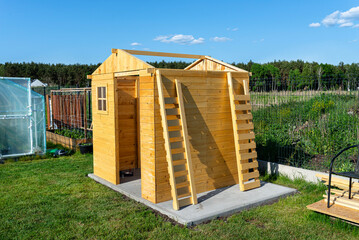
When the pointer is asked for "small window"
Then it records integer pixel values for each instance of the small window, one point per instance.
(101, 98)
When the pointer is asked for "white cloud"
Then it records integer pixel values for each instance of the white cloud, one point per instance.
(232, 29)
(342, 19)
(260, 40)
(331, 19)
(180, 39)
(353, 41)
(136, 44)
(220, 39)
(347, 24)
(314, 25)
(352, 13)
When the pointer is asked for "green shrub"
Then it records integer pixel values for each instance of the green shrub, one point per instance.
(295, 132)
(73, 133)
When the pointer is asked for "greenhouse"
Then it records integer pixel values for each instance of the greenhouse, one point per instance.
(22, 119)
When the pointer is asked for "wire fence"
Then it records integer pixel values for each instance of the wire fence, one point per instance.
(70, 112)
(306, 122)
(299, 121)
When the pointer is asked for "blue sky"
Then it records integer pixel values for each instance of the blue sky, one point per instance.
(233, 31)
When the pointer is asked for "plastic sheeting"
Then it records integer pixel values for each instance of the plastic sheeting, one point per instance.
(22, 119)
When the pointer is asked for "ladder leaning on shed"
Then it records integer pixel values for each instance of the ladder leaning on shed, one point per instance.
(246, 155)
(177, 146)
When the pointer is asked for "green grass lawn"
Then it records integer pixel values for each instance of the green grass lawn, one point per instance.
(53, 198)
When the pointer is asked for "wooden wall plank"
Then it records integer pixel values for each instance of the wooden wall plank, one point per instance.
(210, 131)
(105, 152)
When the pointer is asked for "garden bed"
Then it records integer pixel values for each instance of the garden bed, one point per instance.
(68, 142)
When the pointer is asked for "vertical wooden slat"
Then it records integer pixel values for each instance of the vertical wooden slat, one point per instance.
(167, 141)
(137, 102)
(85, 115)
(48, 112)
(186, 142)
(52, 111)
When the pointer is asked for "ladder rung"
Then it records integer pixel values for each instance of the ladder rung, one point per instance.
(246, 146)
(170, 106)
(176, 139)
(177, 150)
(179, 162)
(185, 202)
(247, 156)
(246, 136)
(246, 166)
(181, 173)
(187, 194)
(245, 126)
(242, 97)
(243, 107)
(182, 184)
(174, 128)
(172, 111)
(251, 185)
(173, 117)
(241, 117)
(171, 100)
(247, 176)
(180, 179)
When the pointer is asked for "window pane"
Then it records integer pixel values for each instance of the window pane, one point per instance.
(99, 92)
(103, 92)
(99, 104)
(104, 105)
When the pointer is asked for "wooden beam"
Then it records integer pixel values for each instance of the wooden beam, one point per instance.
(186, 142)
(64, 90)
(167, 140)
(200, 73)
(163, 54)
(226, 64)
(234, 124)
(127, 73)
(336, 211)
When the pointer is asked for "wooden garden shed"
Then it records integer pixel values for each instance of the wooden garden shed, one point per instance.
(188, 130)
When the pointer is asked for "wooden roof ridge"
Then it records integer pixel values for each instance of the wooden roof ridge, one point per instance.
(113, 63)
(116, 50)
(216, 61)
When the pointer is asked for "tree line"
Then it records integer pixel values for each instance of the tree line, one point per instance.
(300, 75)
(276, 75)
(52, 74)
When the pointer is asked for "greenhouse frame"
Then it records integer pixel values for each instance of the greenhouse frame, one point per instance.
(22, 119)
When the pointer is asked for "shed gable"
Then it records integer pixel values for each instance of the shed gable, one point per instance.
(120, 61)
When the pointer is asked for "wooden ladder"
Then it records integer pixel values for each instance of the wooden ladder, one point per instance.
(243, 137)
(177, 147)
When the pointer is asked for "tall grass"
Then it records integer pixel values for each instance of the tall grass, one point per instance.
(307, 133)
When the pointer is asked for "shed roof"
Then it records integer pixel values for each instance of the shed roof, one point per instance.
(38, 83)
(122, 60)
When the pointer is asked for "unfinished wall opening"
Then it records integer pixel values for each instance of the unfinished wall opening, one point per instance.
(128, 127)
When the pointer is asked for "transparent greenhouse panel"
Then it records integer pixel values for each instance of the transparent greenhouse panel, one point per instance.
(15, 137)
(39, 124)
(22, 119)
(14, 98)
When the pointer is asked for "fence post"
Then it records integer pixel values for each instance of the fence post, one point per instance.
(85, 115)
(52, 111)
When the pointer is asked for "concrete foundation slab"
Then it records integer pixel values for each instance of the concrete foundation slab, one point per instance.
(213, 204)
